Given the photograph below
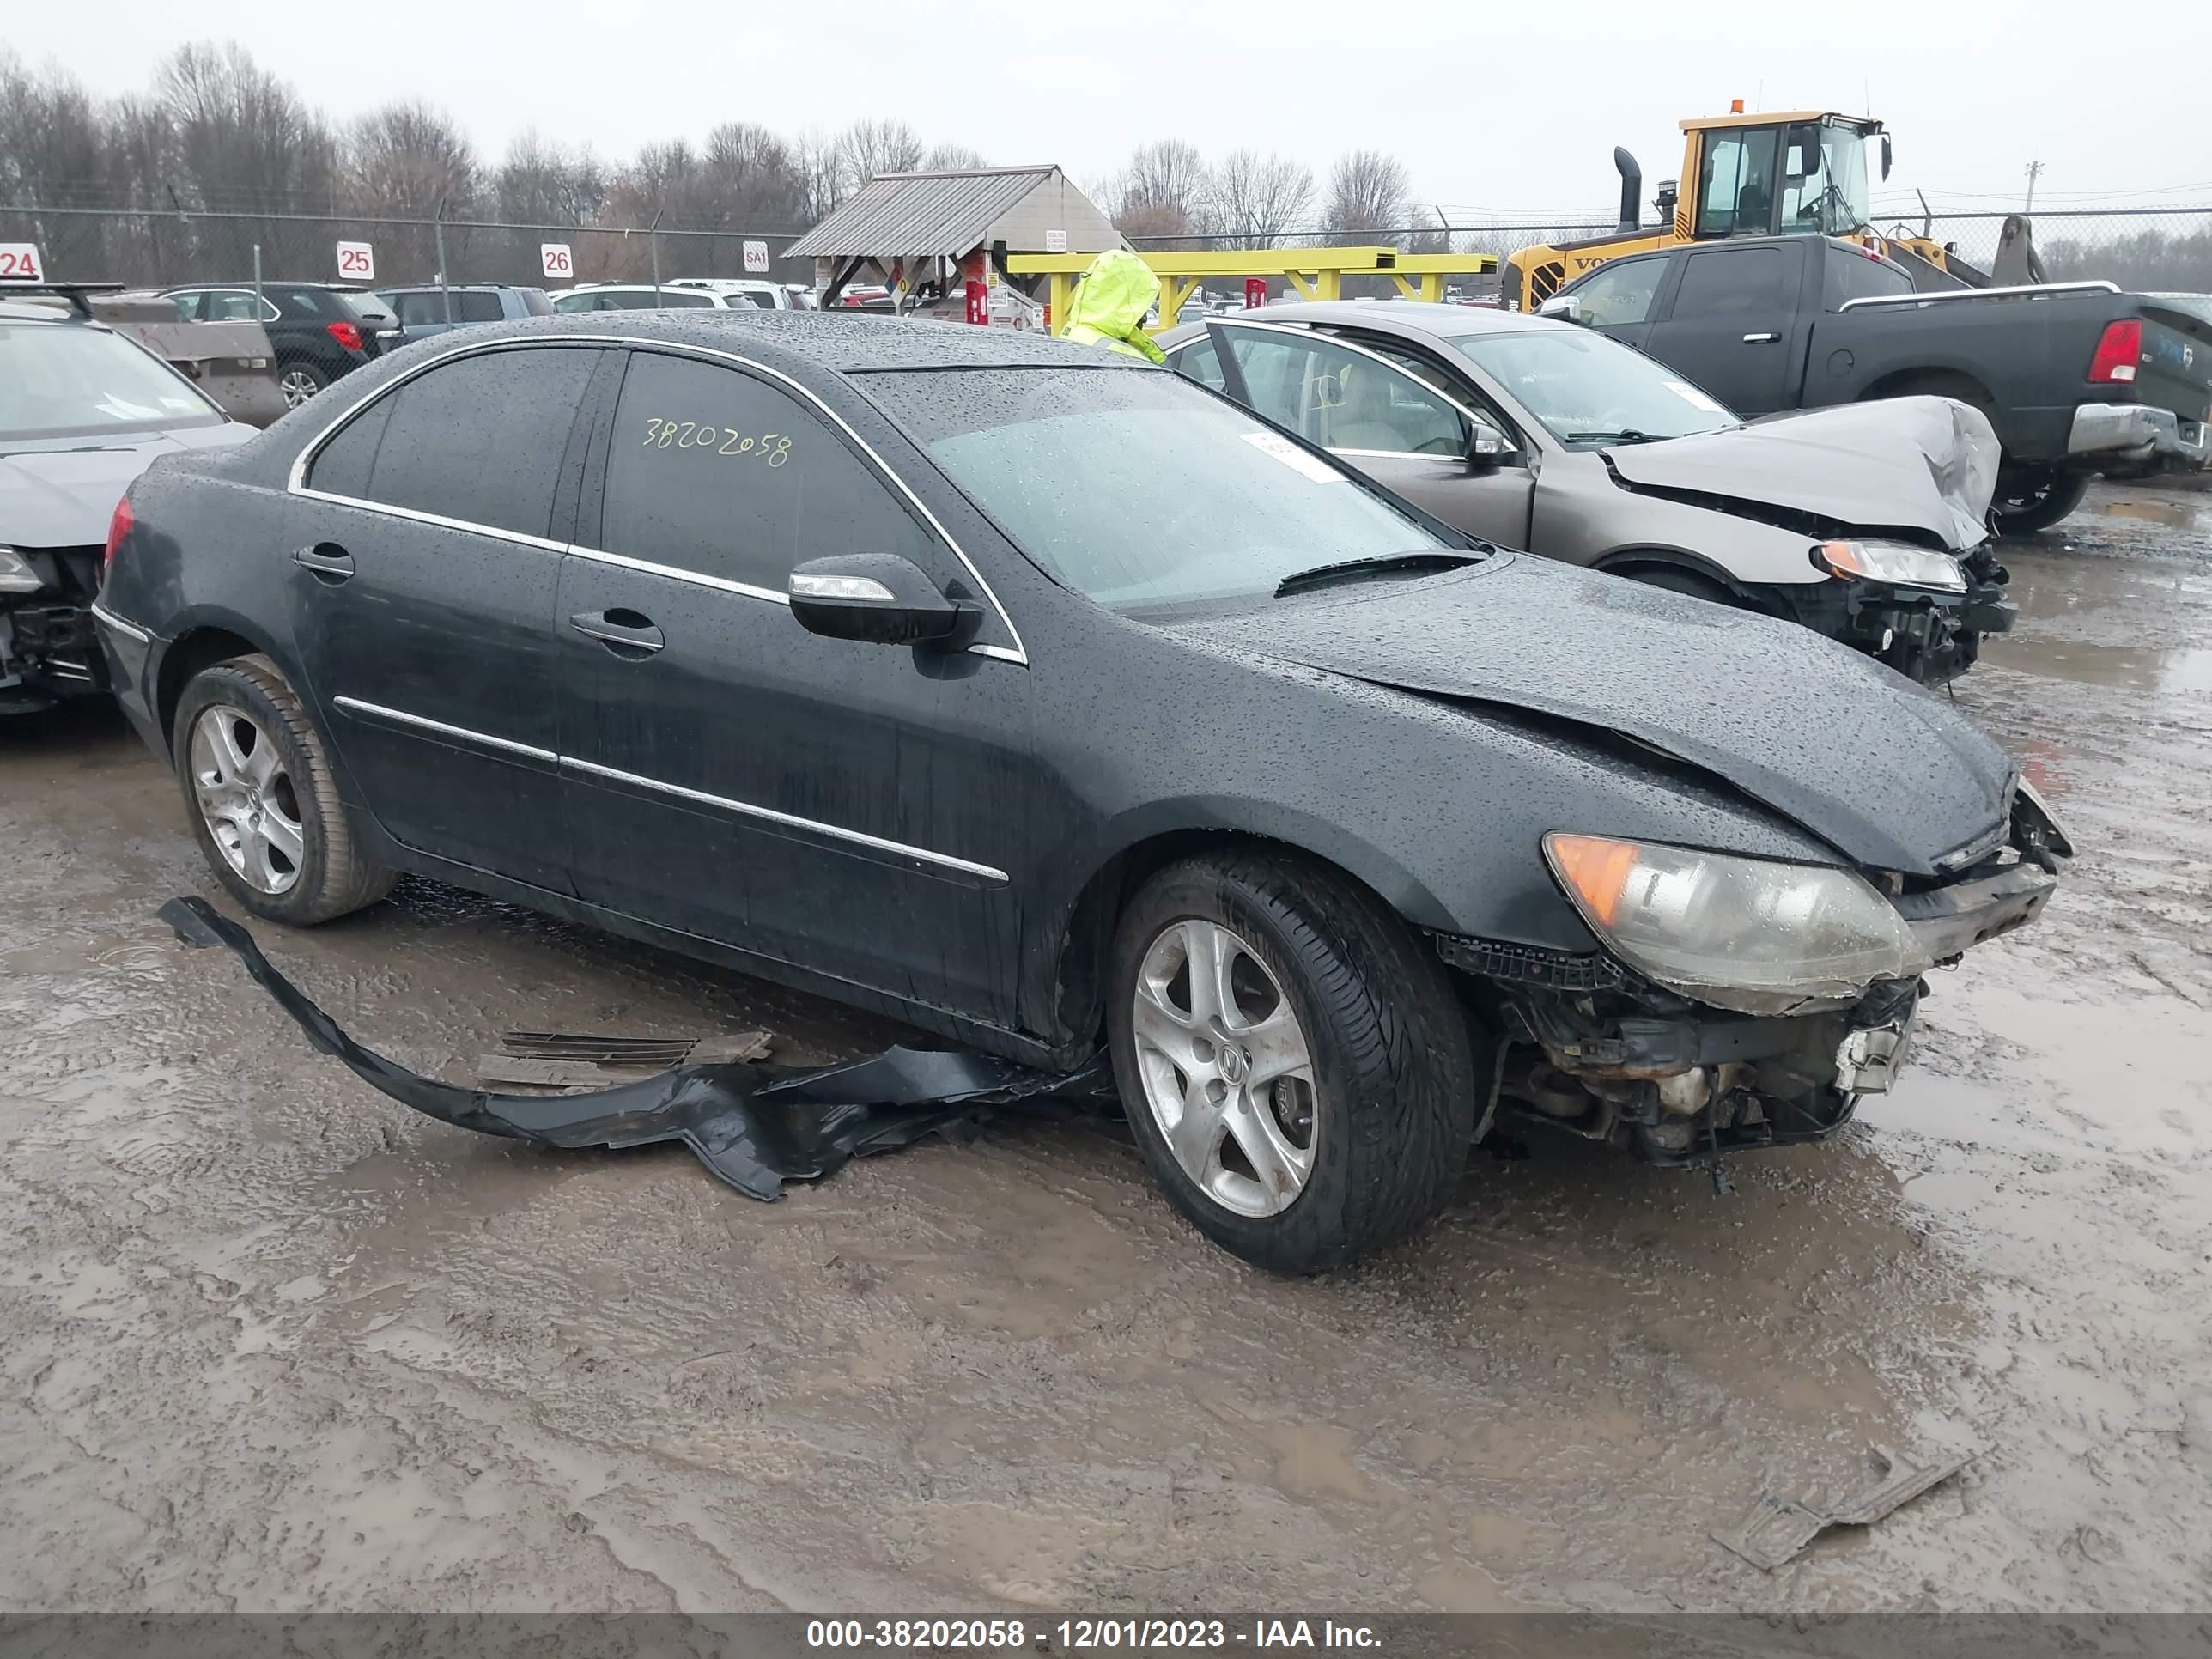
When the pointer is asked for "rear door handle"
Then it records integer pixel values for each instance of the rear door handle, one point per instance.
(623, 632)
(331, 563)
(1761, 339)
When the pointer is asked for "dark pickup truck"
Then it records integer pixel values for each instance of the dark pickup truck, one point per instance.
(2078, 379)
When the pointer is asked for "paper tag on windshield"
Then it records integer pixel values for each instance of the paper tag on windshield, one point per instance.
(1312, 466)
(1695, 396)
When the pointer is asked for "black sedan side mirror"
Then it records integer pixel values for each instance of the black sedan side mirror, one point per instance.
(879, 598)
(1567, 307)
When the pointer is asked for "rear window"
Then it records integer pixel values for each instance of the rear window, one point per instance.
(1848, 275)
(57, 379)
(420, 307)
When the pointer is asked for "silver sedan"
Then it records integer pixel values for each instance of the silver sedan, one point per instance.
(1868, 523)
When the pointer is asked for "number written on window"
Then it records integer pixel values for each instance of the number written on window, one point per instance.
(773, 448)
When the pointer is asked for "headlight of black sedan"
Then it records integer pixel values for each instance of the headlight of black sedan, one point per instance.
(1748, 934)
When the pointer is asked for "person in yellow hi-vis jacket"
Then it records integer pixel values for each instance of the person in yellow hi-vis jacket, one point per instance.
(1110, 302)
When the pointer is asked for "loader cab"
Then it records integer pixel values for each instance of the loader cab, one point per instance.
(1768, 176)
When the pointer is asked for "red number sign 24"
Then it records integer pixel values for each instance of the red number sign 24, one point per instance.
(19, 263)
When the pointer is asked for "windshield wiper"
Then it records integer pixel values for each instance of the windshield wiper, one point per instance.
(1382, 564)
(1626, 435)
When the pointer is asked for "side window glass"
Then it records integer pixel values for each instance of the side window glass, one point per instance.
(1736, 282)
(230, 305)
(1736, 186)
(1200, 361)
(342, 466)
(713, 472)
(1621, 292)
(481, 439)
(188, 305)
(1343, 399)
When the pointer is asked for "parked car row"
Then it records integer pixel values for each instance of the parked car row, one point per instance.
(1048, 701)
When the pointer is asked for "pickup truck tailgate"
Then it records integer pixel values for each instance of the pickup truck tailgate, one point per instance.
(2175, 371)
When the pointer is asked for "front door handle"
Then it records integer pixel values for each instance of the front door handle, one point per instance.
(330, 563)
(1768, 338)
(623, 632)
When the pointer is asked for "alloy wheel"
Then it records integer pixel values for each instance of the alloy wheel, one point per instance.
(246, 797)
(1227, 1071)
(297, 386)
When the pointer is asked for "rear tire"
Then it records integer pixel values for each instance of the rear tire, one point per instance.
(2036, 499)
(1356, 1147)
(258, 787)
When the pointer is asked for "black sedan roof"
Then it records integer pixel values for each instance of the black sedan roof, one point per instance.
(824, 339)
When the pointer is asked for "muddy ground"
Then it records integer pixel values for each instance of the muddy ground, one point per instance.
(269, 1341)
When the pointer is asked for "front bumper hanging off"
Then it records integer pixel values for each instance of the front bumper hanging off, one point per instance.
(1596, 1050)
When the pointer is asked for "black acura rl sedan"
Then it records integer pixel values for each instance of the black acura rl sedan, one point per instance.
(1047, 701)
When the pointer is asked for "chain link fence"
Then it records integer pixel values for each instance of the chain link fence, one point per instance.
(163, 248)
(2157, 248)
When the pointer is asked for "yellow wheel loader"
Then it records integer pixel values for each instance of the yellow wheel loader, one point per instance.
(1749, 175)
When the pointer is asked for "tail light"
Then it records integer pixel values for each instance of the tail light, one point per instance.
(2118, 353)
(119, 527)
(346, 334)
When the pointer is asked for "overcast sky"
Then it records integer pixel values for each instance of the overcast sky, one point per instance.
(1513, 109)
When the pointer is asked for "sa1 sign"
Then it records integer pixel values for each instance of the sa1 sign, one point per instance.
(19, 263)
(556, 258)
(356, 262)
(757, 259)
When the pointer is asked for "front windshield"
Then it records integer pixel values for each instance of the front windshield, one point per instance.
(62, 380)
(1140, 489)
(1823, 180)
(1588, 390)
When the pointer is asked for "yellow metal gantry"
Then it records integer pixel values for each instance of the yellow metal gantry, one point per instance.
(1316, 272)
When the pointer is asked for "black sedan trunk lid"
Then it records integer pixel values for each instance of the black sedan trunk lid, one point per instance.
(1888, 773)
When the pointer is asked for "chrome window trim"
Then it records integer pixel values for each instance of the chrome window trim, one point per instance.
(400, 716)
(101, 613)
(696, 578)
(417, 516)
(295, 480)
(769, 815)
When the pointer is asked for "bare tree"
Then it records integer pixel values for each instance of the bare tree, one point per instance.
(403, 159)
(51, 138)
(753, 179)
(951, 158)
(1367, 192)
(821, 173)
(243, 140)
(542, 184)
(1165, 190)
(1256, 198)
(869, 148)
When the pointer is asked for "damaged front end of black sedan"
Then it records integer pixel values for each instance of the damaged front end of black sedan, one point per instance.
(1674, 1072)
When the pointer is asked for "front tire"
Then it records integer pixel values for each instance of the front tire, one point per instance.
(264, 804)
(1296, 1071)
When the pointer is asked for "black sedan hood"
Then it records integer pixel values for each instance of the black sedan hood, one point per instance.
(61, 492)
(1881, 770)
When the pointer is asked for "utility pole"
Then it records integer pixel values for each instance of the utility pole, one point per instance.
(2034, 169)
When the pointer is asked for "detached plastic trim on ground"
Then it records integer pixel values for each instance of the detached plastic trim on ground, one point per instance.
(754, 1125)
